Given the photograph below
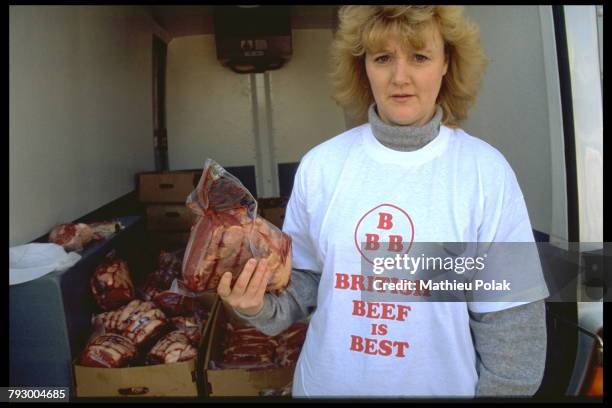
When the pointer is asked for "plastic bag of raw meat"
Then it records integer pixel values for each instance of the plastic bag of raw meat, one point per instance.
(141, 322)
(178, 300)
(111, 284)
(106, 349)
(247, 348)
(73, 237)
(174, 347)
(169, 268)
(191, 325)
(228, 232)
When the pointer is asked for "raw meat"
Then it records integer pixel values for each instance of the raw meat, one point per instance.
(111, 284)
(72, 237)
(139, 321)
(228, 232)
(108, 350)
(220, 244)
(172, 348)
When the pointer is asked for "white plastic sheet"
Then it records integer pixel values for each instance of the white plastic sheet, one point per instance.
(31, 261)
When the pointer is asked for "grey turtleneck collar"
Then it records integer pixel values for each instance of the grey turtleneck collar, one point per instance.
(404, 138)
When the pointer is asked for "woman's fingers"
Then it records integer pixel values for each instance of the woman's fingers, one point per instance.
(261, 290)
(249, 289)
(245, 276)
(224, 289)
(258, 278)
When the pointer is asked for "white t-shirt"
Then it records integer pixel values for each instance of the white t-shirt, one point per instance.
(457, 188)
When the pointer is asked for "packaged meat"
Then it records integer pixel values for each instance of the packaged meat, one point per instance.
(141, 322)
(172, 262)
(168, 269)
(228, 232)
(294, 336)
(290, 344)
(104, 229)
(72, 237)
(248, 348)
(172, 348)
(111, 284)
(108, 350)
(192, 326)
(149, 292)
(178, 300)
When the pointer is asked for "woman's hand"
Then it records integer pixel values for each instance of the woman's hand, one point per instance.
(247, 295)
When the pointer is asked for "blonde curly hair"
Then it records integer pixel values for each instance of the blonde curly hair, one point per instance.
(364, 29)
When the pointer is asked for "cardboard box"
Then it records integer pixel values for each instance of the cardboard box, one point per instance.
(273, 202)
(165, 380)
(236, 382)
(167, 187)
(162, 380)
(169, 218)
(273, 209)
(275, 215)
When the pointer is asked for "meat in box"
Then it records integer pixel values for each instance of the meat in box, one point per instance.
(270, 374)
(160, 380)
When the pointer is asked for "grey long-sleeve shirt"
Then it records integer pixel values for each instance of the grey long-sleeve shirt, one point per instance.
(510, 344)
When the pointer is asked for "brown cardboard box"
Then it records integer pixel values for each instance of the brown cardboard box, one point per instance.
(163, 380)
(275, 215)
(236, 382)
(169, 218)
(167, 187)
(273, 210)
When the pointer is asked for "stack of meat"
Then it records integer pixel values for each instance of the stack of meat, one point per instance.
(164, 288)
(158, 329)
(188, 316)
(178, 301)
(290, 344)
(74, 237)
(108, 351)
(139, 321)
(191, 326)
(174, 347)
(228, 233)
(248, 348)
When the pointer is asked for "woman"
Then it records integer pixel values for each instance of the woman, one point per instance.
(408, 175)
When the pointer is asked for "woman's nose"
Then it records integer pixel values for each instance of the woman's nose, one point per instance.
(401, 72)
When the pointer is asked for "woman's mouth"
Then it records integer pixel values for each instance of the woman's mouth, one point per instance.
(401, 97)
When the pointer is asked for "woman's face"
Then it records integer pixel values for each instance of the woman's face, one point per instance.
(406, 83)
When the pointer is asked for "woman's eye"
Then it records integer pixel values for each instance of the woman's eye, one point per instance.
(382, 59)
(420, 58)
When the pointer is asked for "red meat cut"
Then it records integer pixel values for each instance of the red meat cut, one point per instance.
(111, 284)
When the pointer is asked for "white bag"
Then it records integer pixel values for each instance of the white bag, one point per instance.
(31, 261)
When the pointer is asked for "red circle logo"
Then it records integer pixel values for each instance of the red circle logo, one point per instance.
(385, 227)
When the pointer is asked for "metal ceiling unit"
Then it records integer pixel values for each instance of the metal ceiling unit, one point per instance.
(253, 39)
